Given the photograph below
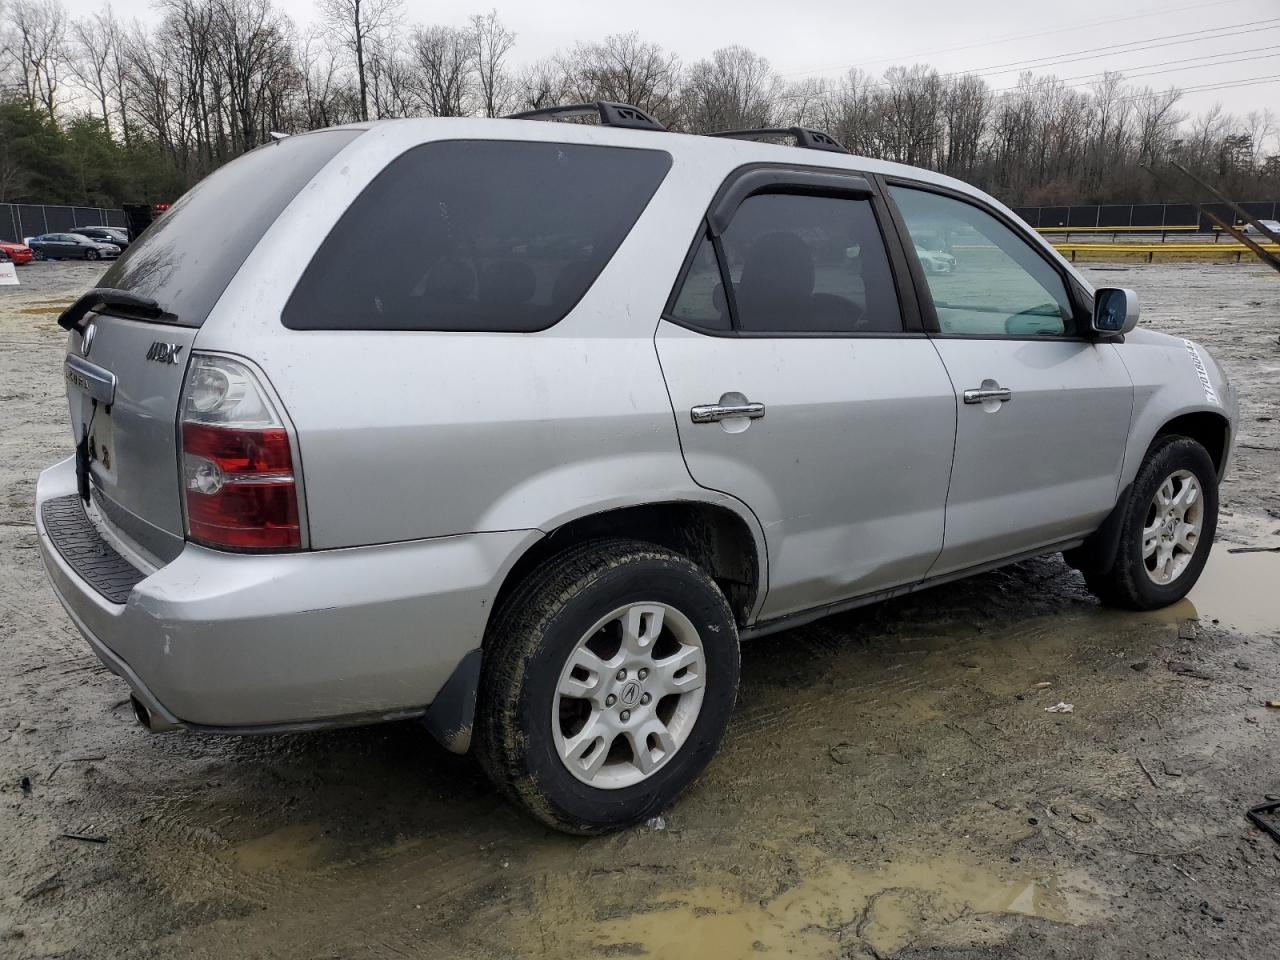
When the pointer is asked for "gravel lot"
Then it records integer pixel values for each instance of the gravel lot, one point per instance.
(891, 785)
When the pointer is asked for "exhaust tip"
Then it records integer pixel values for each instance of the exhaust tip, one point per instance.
(155, 722)
(140, 712)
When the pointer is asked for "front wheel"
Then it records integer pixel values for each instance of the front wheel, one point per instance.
(91, 254)
(608, 680)
(1168, 529)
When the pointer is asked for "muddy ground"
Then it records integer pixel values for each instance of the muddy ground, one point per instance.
(891, 785)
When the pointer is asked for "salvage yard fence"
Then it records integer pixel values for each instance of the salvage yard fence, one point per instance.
(1150, 216)
(18, 220)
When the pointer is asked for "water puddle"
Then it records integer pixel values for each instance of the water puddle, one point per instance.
(298, 847)
(1241, 590)
(835, 908)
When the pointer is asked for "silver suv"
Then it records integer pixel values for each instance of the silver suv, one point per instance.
(519, 427)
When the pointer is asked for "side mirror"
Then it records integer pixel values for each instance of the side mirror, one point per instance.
(1115, 311)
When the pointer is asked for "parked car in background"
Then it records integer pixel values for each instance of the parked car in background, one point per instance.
(115, 235)
(18, 253)
(1272, 225)
(71, 246)
(935, 261)
(514, 475)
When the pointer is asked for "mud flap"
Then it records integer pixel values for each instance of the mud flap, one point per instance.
(1098, 552)
(452, 713)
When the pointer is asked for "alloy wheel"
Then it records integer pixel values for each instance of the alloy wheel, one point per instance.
(629, 695)
(1171, 533)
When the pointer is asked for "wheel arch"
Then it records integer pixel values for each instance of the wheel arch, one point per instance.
(1209, 428)
(715, 536)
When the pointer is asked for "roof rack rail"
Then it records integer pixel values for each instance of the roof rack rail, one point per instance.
(804, 136)
(611, 114)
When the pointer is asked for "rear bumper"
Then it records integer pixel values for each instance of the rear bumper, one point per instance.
(286, 641)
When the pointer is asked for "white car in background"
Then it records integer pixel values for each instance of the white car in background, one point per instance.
(1272, 225)
(935, 261)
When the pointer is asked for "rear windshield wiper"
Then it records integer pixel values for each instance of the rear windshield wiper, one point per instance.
(100, 297)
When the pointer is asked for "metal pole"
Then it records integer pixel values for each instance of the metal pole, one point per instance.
(1241, 212)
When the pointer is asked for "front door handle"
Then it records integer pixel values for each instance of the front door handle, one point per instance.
(981, 394)
(713, 412)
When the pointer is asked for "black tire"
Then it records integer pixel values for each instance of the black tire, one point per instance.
(527, 645)
(91, 254)
(37, 255)
(1127, 583)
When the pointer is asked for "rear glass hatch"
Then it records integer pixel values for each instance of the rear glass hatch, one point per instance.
(127, 358)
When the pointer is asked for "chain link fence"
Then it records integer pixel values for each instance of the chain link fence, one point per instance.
(19, 220)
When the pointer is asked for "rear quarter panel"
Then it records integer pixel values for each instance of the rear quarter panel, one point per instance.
(409, 435)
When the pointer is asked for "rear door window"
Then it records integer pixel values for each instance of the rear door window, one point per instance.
(479, 235)
(809, 265)
(186, 258)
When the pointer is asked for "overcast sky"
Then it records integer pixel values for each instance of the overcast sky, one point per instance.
(826, 37)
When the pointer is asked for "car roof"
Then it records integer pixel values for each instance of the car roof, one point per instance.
(716, 156)
(681, 145)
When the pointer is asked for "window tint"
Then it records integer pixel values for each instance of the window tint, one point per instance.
(186, 258)
(701, 301)
(985, 280)
(809, 264)
(476, 235)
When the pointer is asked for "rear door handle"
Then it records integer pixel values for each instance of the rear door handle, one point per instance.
(713, 412)
(1003, 394)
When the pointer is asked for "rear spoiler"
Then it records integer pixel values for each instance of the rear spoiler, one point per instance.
(100, 297)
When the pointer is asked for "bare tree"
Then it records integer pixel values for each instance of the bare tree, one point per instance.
(39, 49)
(539, 85)
(392, 82)
(491, 42)
(324, 90)
(94, 42)
(358, 24)
(733, 88)
(253, 47)
(442, 58)
(626, 69)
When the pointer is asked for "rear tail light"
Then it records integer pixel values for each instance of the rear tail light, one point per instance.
(239, 486)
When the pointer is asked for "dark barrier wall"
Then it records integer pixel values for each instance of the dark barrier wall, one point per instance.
(18, 220)
(1155, 215)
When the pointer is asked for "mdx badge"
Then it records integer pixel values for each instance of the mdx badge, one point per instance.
(164, 352)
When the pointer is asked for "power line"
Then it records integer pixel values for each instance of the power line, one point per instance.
(1162, 12)
(1057, 60)
(1136, 46)
(1221, 85)
(1217, 57)
(1201, 88)
(996, 41)
(1252, 27)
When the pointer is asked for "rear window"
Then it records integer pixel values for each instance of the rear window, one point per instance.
(476, 235)
(186, 258)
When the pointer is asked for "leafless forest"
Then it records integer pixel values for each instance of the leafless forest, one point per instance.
(98, 110)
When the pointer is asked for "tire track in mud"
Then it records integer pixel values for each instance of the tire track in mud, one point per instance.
(391, 898)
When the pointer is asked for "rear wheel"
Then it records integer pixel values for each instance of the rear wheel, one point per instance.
(1168, 529)
(609, 676)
